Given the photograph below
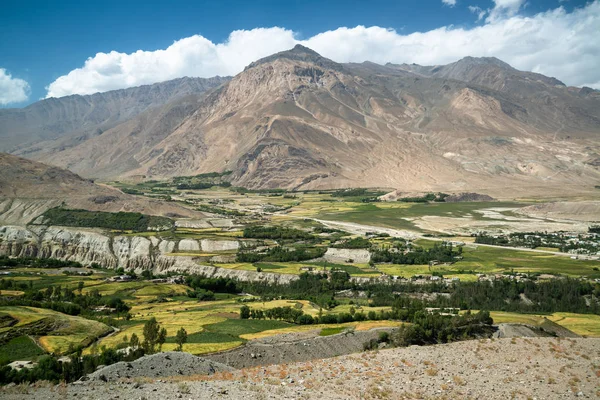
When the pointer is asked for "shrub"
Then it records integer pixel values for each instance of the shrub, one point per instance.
(244, 312)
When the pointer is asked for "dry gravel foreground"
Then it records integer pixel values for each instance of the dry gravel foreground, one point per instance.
(520, 368)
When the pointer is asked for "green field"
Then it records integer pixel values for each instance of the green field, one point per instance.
(395, 215)
(334, 330)
(54, 331)
(489, 259)
(20, 348)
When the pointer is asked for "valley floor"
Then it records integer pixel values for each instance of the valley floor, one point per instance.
(521, 368)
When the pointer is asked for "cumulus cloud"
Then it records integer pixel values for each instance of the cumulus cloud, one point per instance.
(554, 43)
(191, 56)
(450, 3)
(12, 90)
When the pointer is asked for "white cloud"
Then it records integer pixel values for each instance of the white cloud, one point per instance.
(554, 43)
(12, 90)
(504, 8)
(191, 56)
(479, 11)
(450, 3)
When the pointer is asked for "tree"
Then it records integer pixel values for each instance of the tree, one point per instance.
(151, 333)
(80, 286)
(134, 341)
(244, 312)
(181, 338)
(162, 337)
(147, 274)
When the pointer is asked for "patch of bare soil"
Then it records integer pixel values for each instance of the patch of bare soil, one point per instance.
(496, 220)
(519, 368)
(587, 211)
(158, 365)
(295, 347)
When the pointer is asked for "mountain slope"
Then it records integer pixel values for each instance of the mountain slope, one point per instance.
(549, 104)
(90, 115)
(28, 188)
(299, 120)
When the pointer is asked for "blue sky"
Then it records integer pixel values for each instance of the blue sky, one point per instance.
(46, 43)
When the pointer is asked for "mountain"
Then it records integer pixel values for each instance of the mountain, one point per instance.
(87, 116)
(298, 120)
(552, 104)
(28, 188)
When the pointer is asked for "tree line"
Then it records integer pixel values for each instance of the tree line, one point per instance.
(50, 369)
(444, 252)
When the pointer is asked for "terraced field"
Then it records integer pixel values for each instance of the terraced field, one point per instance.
(296, 268)
(582, 324)
(587, 325)
(55, 332)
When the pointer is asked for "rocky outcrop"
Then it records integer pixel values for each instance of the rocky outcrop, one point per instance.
(192, 223)
(139, 253)
(279, 350)
(189, 245)
(219, 245)
(84, 246)
(185, 264)
(360, 256)
(462, 197)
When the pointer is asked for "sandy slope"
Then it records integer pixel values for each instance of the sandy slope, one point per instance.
(524, 368)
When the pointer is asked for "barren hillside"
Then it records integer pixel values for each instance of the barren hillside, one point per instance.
(69, 120)
(28, 188)
(486, 369)
(298, 120)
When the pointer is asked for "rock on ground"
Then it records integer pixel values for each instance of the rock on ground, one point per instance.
(295, 347)
(159, 365)
(518, 368)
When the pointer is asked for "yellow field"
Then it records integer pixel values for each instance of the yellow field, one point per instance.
(203, 348)
(162, 289)
(405, 271)
(141, 288)
(359, 326)
(345, 308)
(307, 308)
(27, 315)
(110, 288)
(581, 324)
(295, 268)
(172, 317)
(72, 330)
(501, 317)
(11, 292)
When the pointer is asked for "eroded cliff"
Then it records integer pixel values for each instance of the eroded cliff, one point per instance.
(139, 253)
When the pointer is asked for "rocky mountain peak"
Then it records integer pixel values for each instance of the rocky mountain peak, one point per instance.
(484, 61)
(299, 53)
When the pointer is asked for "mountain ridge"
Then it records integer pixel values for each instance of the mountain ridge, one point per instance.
(298, 120)
(87, 115)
